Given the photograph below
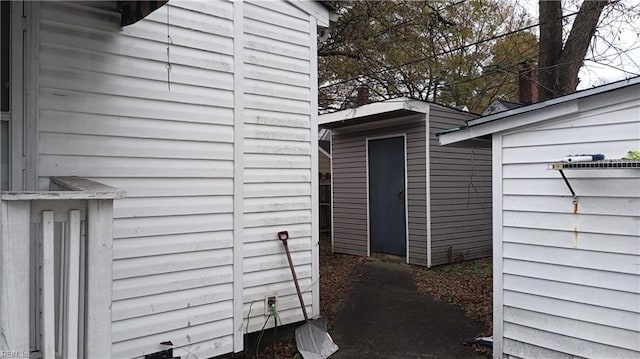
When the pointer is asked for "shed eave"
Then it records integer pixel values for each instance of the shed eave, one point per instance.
(371, 120)
(347, 117)
(471, 131)
(526, 115)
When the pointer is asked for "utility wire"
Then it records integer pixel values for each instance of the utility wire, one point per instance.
(614, 67)
(387, 69)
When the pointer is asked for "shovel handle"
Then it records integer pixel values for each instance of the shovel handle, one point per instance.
(283, 236)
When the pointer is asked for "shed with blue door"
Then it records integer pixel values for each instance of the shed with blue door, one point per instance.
(397, 191)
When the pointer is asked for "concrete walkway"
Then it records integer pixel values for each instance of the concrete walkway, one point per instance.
(384, 316)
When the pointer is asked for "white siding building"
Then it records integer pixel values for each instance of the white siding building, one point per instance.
(566, 278)
(205, 113)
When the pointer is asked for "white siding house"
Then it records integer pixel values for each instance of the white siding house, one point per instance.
(205, 114)
(566, 278)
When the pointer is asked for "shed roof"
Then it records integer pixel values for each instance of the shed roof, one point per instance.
(476, 132)
(499, 106)
(377, 111)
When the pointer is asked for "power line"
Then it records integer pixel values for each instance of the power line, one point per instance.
(614, 67)
(387, 69)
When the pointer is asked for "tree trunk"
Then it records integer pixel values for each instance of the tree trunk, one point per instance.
(575, 49)
(550, 14)
(558, 66)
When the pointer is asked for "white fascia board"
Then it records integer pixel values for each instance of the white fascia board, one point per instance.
(500, 125)
(315, 9)
(538, 112)
(375, 109)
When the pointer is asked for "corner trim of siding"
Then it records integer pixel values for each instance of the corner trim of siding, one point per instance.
(428, 181)
(24, 106)
(315, 200)
(498, 301)
(238, 173)
(366, 174)
(406, 199)
(332, 200)
(32, 105)
(17, 66)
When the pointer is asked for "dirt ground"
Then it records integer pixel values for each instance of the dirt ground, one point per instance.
(335, 282)
(467, 285)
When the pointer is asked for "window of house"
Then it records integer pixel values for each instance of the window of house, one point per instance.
(5, 97)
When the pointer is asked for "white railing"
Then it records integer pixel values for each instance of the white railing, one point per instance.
(56, 270)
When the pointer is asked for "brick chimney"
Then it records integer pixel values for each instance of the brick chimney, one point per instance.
(527, 84)
(363, 96)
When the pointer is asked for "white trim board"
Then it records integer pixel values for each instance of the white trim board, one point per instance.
(406, 190)
(375, 108)
(496, 156)
(32, 91)
(17, 67)
(366, 174)
(488, 128)
(428, 185)
(315, 181)
(238, 176)
(332, 200)
(560, 107)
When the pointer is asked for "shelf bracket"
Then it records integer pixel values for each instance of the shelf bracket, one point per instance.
(573, 193)
(623, 164)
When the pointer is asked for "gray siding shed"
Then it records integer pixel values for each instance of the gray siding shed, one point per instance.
(448, 193)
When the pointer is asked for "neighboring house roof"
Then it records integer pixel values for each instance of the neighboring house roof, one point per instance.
(476, 132)
(377, 111)
(462, 108)
(499, 106)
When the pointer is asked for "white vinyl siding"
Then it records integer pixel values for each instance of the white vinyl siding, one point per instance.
(277, 158)
(571, 284)
(106, 113)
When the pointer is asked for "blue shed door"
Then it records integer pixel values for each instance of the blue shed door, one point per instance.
(387, 225)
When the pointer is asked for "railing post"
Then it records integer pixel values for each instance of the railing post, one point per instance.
(14, 277)
(70, 332)
(48, 288)
(99, 278)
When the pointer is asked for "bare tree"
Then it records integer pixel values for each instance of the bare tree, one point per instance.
(435, 51)
(560, 61)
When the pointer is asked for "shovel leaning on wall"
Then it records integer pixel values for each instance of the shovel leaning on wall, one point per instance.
(312, 339)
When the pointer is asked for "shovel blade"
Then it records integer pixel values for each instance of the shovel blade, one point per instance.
(314, 342)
